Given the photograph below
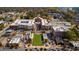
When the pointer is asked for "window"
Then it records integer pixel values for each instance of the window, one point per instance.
(24, 21)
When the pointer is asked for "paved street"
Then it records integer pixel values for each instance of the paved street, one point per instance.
(3, 31)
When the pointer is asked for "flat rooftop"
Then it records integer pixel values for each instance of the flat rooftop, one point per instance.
(26, 22)
(1, 22)
(58, 25)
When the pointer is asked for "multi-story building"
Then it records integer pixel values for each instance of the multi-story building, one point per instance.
(26, 24)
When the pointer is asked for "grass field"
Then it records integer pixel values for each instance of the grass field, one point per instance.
(37, 40)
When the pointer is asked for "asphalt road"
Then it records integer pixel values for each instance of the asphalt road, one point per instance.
(3, 31)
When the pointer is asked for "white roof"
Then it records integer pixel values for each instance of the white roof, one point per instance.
(44, 21)
(31, 35)
(15, 39)
(27, 22)
(60, 25)
(76, 44)
(60, 28)
(45, 36)
(48, 24)
(1, 22)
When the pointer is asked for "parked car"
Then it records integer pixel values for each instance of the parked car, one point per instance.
(7, 33)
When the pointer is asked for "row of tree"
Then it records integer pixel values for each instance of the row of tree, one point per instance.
(72, 34)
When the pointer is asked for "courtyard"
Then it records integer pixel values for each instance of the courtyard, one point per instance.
(37, 40)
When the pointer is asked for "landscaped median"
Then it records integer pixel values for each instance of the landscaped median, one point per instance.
(37, 40)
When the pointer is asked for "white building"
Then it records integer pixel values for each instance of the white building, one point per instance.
(75, 43)
(2, 22)
(16, 39)
(23, 23)
(58, 25)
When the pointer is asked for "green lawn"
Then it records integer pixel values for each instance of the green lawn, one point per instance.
(37, 40)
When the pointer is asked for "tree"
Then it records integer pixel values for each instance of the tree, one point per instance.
(46, 40)
(29, 41)
(49, 17)
(70, 35)
(1, 26)
(0, 44)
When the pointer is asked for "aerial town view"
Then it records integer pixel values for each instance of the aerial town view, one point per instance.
(39, 29)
